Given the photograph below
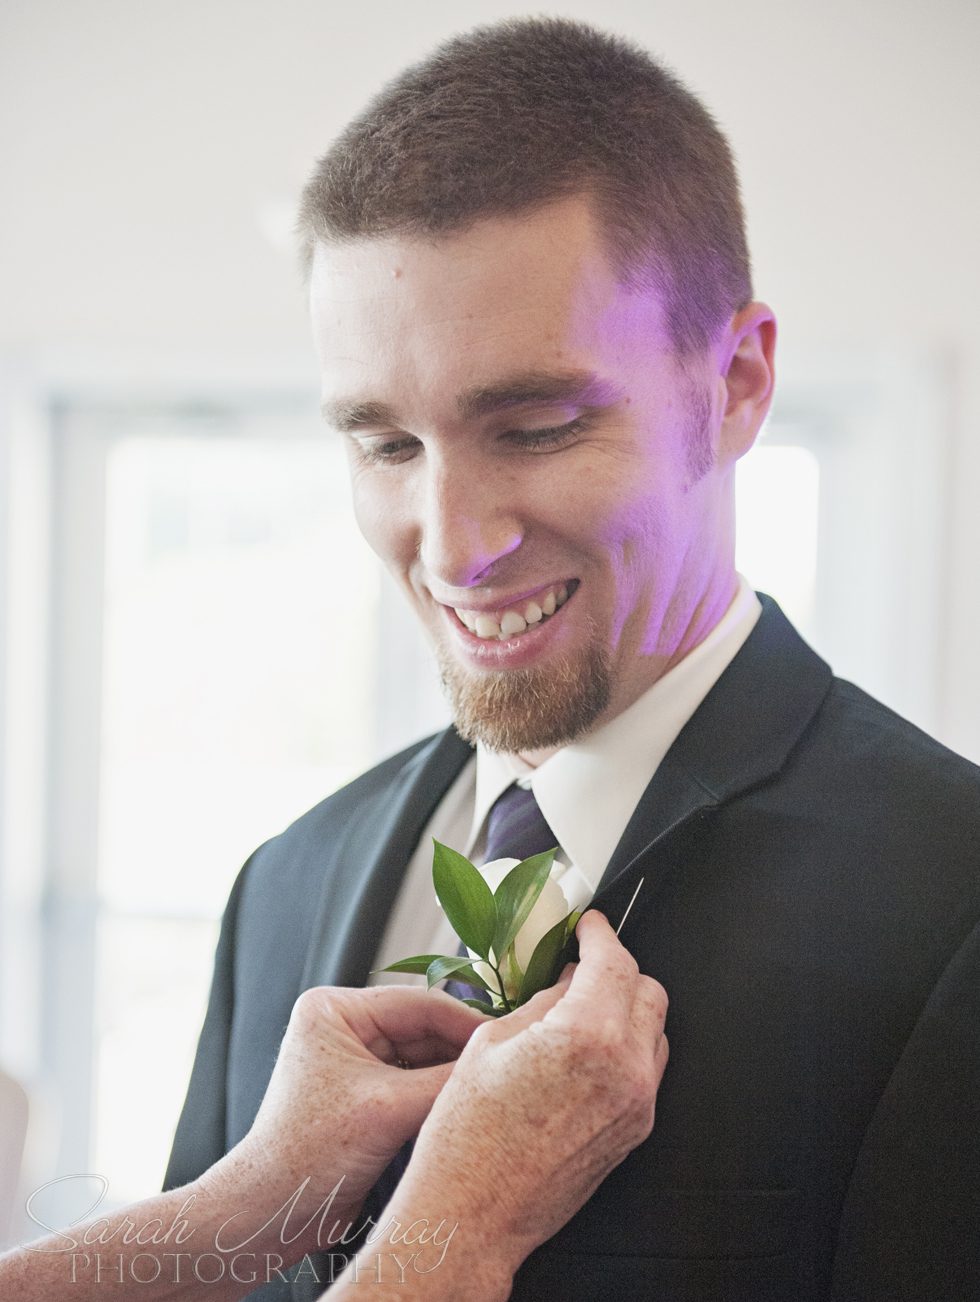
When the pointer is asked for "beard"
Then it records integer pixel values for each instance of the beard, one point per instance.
(700, 452)
(529, 709)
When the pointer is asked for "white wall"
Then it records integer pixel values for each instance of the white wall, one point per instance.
(149, 155)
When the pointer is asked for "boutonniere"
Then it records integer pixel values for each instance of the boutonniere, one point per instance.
(518, 930)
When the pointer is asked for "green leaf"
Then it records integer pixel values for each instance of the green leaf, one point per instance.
(465, 897)
(491, 1009)
(512, 974)
(443, 966)
(417, 963)
(516, 895)
(545, 964)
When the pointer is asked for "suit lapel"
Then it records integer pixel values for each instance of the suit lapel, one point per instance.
(739, 737)
(360, 891)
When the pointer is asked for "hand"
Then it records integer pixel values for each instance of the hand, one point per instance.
(542, 1104)
(338, 1104)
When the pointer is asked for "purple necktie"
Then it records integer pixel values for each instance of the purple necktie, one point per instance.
(516, 827)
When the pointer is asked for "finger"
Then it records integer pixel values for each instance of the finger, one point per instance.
(390, 1019)
(650, 1005)
(660, 1059)
(536, 1008)
(606, 975)
(421, 1083)
(647, 1026)
(411, 1095)
(429, 1051)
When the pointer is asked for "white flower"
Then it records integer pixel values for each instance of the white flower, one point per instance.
(549, 908)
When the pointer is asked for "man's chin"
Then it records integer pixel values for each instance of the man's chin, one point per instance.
(518, 710)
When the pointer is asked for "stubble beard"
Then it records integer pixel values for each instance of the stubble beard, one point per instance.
(517, 710)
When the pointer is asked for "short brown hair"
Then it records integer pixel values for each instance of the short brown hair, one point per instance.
(510, 117)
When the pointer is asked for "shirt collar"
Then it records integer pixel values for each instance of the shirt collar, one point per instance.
(588, 789)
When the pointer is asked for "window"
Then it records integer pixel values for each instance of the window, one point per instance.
(228, 645)
(777, 509)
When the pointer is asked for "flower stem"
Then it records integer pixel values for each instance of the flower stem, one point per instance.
(502, 991)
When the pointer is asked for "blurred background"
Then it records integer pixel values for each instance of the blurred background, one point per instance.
(196, 646)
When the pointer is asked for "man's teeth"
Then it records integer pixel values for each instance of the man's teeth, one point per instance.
(515, 620)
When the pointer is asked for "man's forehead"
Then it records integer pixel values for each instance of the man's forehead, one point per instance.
(508, 313)
(552, 248)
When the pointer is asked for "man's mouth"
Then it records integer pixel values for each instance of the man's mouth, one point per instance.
(512, 621)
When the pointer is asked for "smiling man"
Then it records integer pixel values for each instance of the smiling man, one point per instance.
(532, 306)
(548, 479)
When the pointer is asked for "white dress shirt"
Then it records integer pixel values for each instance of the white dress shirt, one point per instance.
(587, 791)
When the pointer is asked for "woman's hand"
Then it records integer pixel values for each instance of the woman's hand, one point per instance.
(540, 1107)
(341, 1103)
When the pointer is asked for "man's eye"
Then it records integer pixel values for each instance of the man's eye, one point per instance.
(543, 439)
(385, 451)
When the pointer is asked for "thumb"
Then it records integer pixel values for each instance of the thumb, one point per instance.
(418, 1086)
(533, 1011)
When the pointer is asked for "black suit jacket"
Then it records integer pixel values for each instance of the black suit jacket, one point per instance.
(811, 904)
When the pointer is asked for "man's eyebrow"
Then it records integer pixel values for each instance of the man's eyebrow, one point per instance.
(576, 388)
(349, 416)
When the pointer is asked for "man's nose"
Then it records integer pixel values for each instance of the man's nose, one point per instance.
(468, 524)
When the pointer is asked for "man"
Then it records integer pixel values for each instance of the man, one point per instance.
(532, 306)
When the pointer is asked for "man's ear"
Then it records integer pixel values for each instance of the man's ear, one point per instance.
(747, 372)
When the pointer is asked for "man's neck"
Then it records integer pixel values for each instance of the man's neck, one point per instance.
(707, 615)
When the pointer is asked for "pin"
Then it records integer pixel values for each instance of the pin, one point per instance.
(630, 905)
